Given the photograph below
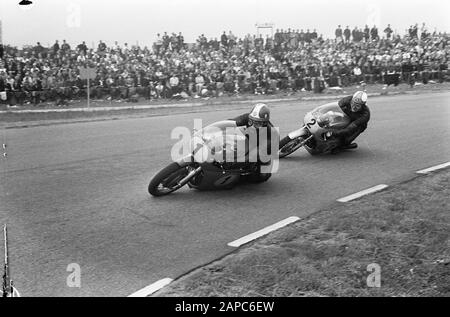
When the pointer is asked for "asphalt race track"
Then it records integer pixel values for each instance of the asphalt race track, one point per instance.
(77, 193)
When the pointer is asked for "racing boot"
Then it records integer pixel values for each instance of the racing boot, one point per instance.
(349, 146)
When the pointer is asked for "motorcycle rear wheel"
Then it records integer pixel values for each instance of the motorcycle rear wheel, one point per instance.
(289, 146)
(166, 181)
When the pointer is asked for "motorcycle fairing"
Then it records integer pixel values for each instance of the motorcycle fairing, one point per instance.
(326, 116)
(213, 177)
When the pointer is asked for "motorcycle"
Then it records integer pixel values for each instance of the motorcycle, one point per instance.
(314, 135)
(214, 161)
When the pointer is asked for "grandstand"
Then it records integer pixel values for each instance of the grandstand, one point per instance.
(291, 60)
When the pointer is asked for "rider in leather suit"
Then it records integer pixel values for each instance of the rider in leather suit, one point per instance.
(356, 109)
(259, 117)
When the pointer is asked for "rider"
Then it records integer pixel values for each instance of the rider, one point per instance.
(356, 109)
(259, 117)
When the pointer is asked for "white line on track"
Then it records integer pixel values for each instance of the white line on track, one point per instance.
(152, 288)
(362, 193)
(262, 232)
(148, 290)
(433, 168)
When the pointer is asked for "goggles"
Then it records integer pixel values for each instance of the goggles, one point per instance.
(257, 124)
(355, 106)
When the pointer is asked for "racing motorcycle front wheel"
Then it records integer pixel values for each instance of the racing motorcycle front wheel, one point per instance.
(289, 146)
(171, 178)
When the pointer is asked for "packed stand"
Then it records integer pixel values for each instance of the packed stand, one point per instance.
(290, 61)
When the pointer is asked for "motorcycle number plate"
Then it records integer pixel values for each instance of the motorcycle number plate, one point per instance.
(311, 123)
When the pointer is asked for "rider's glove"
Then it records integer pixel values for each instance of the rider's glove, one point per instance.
(334, 133)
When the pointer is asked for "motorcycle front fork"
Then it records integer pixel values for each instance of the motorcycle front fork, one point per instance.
(300, 132)
(308, 138)
(191, 174)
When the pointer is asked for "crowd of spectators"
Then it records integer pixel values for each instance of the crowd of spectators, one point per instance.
(290, 60)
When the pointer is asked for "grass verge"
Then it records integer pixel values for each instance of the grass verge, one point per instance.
(404, 229)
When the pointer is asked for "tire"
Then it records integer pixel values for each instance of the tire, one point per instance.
(170, 175)
(259, 178)
(289, 146)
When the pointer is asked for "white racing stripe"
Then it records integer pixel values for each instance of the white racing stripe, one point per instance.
(148, 290)
(433, 168)
(262, 232)
(362, 193)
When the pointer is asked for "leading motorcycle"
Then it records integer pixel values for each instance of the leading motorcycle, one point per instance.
(314, 135)
(215, 161)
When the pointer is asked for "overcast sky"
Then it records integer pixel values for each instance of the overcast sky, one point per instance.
(139, 20)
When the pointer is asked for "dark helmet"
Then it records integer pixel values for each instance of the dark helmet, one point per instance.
(260, 113)
(359, 99)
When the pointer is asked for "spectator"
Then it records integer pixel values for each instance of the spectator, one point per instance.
(366, 33)
(82, 48)
(36, 88)
(55, 48)
(231, 39)
(269, 43)
(174, 42)
(158, 44)
(224, 39)
(356, 34)
(199, 82)
(65, 47)
(116, 48)
(166, 41)
(415, 31)
(180, 41)
(357, 74)
(174, 85)
(374, 33)
(307, 36)
(347, 34)
(101, 47)
(302, 37)
(423, 31)
(338, 33)
(277, 38)
(38, 50)
(160, 90)
(388, 32)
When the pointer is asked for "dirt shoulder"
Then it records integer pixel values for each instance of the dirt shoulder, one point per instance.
(48, 114)
(405, 230)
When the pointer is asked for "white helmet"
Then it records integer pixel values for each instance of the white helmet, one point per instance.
(359, 99)
(260, 113)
